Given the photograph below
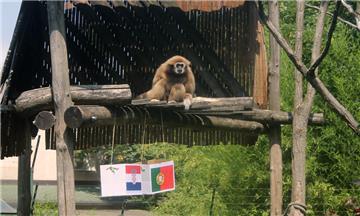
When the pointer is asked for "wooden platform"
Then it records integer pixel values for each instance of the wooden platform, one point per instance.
(103, 115)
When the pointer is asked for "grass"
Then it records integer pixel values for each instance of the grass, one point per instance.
(45, 209)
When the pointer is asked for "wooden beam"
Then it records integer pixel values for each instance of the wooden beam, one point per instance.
(277, 117)
(35, 100)
(263, 116)
(44, 120)
(24, 190)
(62, 100)
(275, 130)
(203, 103)
(246, 103)
(90, 116)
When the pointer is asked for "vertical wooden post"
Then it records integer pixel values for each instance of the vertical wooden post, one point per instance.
(274, 104)
(24, 190)
(62, 100)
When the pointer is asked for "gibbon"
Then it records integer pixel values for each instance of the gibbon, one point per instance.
(173, 81)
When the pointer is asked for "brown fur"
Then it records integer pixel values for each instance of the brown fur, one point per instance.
(167, 85)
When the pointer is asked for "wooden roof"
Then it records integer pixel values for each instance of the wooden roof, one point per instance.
(184, 5)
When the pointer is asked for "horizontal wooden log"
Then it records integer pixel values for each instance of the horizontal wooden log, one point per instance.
(44, 120)
(202, 103)
(278, 117)
(87, 116)
(211, 103)
(263, 116)
(35, 100)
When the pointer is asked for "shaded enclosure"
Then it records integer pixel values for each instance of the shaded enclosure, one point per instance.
(123, 43)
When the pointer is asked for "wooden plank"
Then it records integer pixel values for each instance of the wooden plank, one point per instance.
(41, 99)
(62, 100)
(260, 81)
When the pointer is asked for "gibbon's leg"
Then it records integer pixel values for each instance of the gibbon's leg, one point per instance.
(177, 93)
(157, 92)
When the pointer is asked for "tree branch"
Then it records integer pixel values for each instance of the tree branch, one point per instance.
(350, 9)
(357, 19)
(328, 41)
(339, 18)
(313, 80)
(319, 29)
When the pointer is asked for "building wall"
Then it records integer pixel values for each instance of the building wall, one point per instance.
(45, 164)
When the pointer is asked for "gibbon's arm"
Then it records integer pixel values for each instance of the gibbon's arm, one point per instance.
(189, 89)
(159, 74)
(156, 79)
(190, 84)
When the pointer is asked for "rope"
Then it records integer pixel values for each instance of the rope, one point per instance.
(299, 206)
(143, 141)
(112, 144)
(162, 127)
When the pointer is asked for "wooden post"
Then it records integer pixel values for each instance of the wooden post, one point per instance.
(24, 190)
(274, 104)
(62, 100)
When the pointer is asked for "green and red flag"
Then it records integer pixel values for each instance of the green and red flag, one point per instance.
(137, 179)
(162, 177)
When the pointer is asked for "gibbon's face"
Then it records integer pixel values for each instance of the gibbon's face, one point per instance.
(180, 68)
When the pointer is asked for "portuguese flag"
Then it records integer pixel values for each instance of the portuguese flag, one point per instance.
(162, 177)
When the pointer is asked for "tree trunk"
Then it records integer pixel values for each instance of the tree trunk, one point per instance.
(274, 104)
(298, 151)
(302, 110)
(62, 100)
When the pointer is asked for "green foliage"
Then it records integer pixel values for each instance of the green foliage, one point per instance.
(239, 177)
(45, 209)
(333, 151)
